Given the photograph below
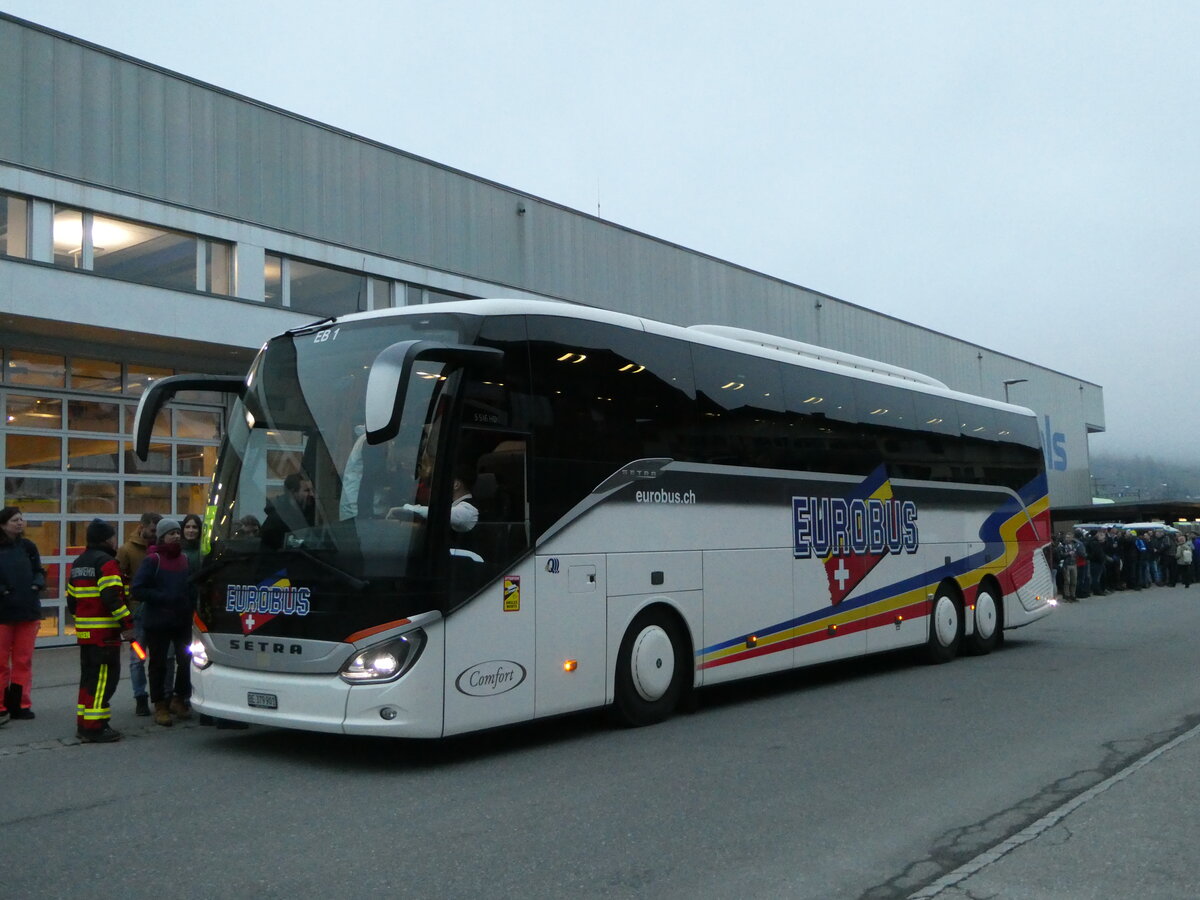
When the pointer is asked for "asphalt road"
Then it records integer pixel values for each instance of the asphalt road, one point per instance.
(1061, 766)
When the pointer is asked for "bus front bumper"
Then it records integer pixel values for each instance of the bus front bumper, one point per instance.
(319, 702)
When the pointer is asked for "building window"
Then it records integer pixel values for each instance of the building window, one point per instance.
(313, 288)
(95, 375)
(435, 296)
(273, 278)
(14, 226)
(381, 293)
(325, 291)
(68, 238)
(218, 268)
(35, 369)
(144, 254)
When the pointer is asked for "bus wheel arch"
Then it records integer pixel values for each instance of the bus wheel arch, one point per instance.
(945, 623)
(654, 663)
(988, 632)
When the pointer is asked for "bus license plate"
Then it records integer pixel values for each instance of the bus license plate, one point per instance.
(262, 701)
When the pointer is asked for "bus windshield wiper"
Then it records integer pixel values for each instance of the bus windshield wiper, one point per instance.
(311, 326)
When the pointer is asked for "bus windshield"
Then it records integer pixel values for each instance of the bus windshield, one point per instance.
(298, 488)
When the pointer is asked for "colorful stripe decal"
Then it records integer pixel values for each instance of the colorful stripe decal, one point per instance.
(1009, 535)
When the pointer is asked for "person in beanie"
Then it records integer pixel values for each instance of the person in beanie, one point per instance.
(162, 585)
(96, 598)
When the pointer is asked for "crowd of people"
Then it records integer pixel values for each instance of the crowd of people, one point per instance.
(140, 592)
(1097, 561)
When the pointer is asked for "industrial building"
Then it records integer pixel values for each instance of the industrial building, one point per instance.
(152, 224)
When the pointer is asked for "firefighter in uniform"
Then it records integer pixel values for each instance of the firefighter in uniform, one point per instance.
(96, 598)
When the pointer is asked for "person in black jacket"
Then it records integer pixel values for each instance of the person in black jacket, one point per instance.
(293, 509)
(22, 580)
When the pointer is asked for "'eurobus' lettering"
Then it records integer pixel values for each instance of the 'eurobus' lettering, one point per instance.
(834, 525)
(274, 599)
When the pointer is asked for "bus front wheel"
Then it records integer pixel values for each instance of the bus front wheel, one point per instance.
(650, 669)
(945, 626)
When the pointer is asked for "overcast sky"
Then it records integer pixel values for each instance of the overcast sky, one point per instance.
(1023, 175)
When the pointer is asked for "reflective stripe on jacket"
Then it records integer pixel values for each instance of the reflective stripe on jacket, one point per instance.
(96, 597)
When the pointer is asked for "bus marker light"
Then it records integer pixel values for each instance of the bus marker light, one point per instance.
(752, 640)
(833, 629)
(570, 665)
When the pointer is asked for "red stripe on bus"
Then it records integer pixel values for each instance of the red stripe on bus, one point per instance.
(367, 632)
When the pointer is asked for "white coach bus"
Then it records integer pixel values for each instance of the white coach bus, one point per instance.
(651, 509)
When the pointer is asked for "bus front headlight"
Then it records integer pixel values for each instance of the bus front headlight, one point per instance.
(386, 661)
(199, 653)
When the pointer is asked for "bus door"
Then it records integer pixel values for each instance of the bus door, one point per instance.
(491, 605)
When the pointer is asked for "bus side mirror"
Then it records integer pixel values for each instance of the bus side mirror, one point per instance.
(390, 373)
(158, 393)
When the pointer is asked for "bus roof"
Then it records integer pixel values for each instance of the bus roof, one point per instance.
(739, 340)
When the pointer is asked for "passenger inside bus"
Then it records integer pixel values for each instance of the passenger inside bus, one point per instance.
(293, 509)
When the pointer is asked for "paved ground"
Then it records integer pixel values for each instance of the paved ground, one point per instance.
(1133, 834)
(55, 694)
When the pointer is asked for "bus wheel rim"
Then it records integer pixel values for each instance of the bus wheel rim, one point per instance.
(653, 663)
(985, 615)
(945, 620)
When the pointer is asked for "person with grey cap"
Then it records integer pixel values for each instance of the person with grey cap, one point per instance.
(162, 585)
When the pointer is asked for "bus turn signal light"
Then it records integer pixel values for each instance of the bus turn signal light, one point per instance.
(570, 665)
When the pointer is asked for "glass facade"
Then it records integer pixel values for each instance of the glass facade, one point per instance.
(66, 455)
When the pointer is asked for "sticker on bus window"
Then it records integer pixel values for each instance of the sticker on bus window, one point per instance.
(512, 593)
(210, 518)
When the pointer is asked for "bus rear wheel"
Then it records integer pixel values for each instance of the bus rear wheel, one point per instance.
(989, 622)
(945, 626)
(650, 670)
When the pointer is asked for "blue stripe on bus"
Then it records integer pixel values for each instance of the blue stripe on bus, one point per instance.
(952, 569)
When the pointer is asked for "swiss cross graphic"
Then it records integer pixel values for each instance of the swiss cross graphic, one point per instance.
(844, 568)
(845, 573)
(252, 621)
(841, 574)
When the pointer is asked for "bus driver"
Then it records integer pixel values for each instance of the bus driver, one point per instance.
(463, 514)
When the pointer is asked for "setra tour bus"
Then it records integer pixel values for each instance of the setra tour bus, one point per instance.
(433, 520)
